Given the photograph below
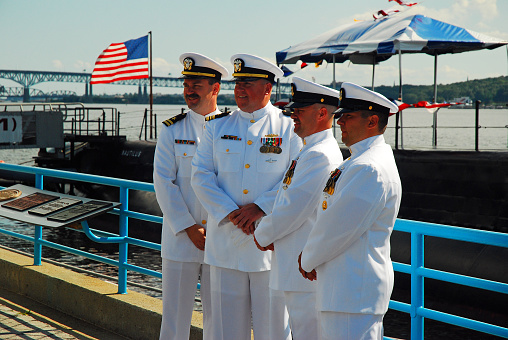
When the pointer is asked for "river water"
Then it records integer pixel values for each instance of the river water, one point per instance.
(455, 132)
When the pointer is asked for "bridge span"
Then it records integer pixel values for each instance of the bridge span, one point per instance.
(30, 78)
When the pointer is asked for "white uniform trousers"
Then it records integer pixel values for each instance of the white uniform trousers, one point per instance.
(179, 282)
(346, 326)
(234, 294)
(303, 316)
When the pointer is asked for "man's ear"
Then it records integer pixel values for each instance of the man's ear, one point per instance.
(373, 121)
(216, 88)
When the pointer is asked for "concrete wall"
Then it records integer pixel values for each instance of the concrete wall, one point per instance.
(133, 315)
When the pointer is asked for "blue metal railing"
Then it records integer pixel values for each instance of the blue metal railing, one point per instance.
(123, 212)
(416, 268)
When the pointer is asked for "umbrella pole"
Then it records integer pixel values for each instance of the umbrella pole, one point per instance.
(399, 114)
(373, 71)
(334, 83)
(334, 87)
(434, 121)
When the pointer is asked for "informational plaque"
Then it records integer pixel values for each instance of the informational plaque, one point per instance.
(29, 201)
(53, 206)
(79, 210)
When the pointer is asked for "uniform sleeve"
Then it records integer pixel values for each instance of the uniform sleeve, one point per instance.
(168, 194)
(204, 180)
(266, 200)
(347, 217)
(299, 200)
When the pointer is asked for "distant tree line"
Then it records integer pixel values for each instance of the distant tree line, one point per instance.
(490, 91)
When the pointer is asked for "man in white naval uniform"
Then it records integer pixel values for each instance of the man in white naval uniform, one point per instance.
(236, 173)
(184, 218)
(348, 249)
(295, 208)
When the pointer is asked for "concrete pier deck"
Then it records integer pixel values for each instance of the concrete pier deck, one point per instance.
(24, 318)
(60, 304)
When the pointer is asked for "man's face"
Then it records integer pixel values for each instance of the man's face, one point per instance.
(251, 95)
(354, 127)
(305, 119)
(198, 94)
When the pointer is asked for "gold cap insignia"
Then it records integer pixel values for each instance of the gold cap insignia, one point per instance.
(238, 64)
(187, 63)
(322, 100)
(370, 107)
(341, 94)
(293, 90)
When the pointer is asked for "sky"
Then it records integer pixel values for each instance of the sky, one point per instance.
(69, 35)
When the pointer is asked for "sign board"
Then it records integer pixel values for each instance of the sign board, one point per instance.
(11, 128)
(32, 129)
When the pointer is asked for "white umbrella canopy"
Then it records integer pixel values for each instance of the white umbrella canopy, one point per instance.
(368, 42)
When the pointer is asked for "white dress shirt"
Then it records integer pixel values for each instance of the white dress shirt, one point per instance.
(171, 177)
(229, 170)
(295, 210)
(349, 245)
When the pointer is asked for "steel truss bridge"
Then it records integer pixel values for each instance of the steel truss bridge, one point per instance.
(29, 78)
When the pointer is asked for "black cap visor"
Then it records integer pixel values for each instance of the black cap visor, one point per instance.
(296, 105)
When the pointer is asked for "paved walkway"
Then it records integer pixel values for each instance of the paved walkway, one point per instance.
(23, 318)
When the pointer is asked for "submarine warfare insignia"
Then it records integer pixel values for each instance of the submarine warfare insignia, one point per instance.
(173, 120)
(231, 137)
(184, 141)
(271, 144)
(220, 115)
(289, 174)
(7, 194)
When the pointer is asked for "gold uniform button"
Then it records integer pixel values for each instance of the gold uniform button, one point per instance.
(185, 154)
(325, 205)
(245, 191)
(203, 222)
(252, 121)
(249, 142)
(247, 166)
(227, 150)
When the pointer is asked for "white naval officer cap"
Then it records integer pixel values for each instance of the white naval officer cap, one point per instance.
(198, 66)
(357, 98)
(250, 67)
(305, 93)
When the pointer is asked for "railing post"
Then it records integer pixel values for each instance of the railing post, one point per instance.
(39, 184)
(123, 247)
(417, 289)
(477, 125)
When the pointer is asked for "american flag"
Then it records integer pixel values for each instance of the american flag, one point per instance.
(122, 61)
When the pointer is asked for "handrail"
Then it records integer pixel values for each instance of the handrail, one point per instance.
(418, 272)
(123, 212)
(416, 268)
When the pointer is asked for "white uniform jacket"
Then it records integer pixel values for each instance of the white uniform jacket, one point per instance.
(349, 245)
(180, 207)
(295, 210)
(229, 170)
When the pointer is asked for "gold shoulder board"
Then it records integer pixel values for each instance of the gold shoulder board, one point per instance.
(220, 115)
(173, 120)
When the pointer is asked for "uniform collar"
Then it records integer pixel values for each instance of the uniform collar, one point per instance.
(317, 137)
(258, 113)
(200, 118)
(365, 144)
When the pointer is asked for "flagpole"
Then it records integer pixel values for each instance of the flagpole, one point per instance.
(151, 87)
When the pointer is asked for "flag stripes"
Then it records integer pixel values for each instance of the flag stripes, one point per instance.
(122, 61)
